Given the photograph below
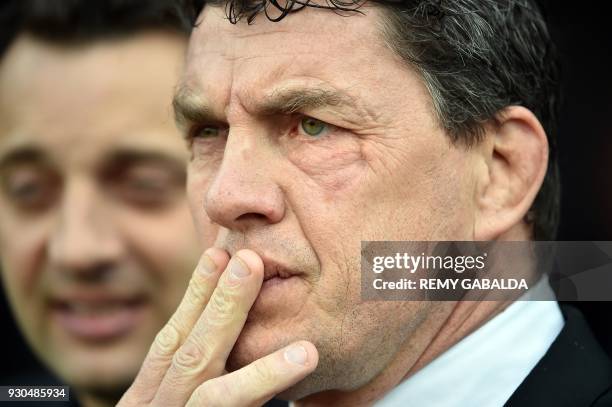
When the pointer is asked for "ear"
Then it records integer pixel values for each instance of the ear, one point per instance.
(515, 156)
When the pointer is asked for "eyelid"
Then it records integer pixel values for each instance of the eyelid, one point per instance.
(194, 129)
(46, 185)
(317, 118)
(223, 128)
(330, 127)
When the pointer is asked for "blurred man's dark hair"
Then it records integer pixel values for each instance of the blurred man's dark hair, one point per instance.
(86, 20)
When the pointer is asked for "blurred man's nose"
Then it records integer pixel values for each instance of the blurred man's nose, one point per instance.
(84, 240)
(243, 192)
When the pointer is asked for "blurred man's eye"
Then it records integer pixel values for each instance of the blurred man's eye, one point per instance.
(148, 186)
(30, 189)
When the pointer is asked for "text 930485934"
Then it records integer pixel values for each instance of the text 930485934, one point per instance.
(34, 393)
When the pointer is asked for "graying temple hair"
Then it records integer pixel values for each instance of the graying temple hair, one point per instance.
(476, 57)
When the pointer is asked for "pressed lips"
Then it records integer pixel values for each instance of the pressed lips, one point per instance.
(274, 270)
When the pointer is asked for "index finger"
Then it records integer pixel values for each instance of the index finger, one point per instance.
(259, 381)
(201, 286)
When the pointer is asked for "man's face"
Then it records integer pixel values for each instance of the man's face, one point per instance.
(308, 136)
(96, 239)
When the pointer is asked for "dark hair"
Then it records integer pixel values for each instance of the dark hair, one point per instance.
(68, 21)
(475, 56)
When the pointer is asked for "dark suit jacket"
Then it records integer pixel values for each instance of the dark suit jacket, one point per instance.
(574, 372)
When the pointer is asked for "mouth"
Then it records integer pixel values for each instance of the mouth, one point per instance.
(282, 285)
(98, 317)
(275, 272)
(283, 291)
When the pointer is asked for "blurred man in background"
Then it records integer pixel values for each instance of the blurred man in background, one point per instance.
(96, 240)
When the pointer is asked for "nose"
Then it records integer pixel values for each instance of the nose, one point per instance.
(84, 241)
(243, 193)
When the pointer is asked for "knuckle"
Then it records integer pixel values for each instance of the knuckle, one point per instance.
(167, 340)
(196, 290)
(262, 372)
(191, 358)
(222, 308)
(211, 393)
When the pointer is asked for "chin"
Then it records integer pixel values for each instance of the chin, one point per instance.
(111, 390)
(99, 369)
(307, 387)
(244, 354)
(258, 340)
(103, 378)
(253, 343)
(261, 338)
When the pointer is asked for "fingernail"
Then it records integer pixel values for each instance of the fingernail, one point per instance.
(207, 266)
(296, 355)
(238, 269)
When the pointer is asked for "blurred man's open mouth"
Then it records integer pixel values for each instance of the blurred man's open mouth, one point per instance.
(97, 317)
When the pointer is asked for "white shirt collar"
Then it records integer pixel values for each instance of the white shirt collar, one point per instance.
(487, 366)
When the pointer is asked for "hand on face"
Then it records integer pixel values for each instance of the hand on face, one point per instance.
(186, 363)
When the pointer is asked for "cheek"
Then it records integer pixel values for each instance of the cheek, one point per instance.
(411, 200)
(332, 226)
(334, 162)
(23, 247)
(327, 179)
(23, 250)
(163, 243)
(439, 201)
(421, 190)
(197, 186)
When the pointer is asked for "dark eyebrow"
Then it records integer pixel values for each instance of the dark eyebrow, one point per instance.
(292, 100)
(128, 157)
(23, 155)
(190, 108)
(118, 161)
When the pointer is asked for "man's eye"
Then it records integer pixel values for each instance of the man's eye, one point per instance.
(313, 127)
(30, 191)
(206, 132)
(146, 185)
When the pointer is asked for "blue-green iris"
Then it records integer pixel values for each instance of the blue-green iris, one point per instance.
(312, 127)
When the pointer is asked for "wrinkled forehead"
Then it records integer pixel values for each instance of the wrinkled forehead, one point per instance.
(312, 42)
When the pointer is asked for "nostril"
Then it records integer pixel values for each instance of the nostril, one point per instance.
(251, 216)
